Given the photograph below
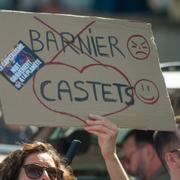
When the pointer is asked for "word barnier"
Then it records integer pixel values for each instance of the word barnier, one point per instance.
(91, 44)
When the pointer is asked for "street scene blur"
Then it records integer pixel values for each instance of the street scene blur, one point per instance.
(88, 163)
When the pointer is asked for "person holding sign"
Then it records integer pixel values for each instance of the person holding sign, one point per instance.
(39, 160)
(106, 132)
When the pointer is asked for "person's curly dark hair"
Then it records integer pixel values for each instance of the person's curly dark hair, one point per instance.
(10, 167)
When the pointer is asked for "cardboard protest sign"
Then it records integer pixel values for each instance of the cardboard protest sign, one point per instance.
(56, 69)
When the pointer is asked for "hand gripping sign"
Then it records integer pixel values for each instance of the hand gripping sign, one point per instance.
(56, 69)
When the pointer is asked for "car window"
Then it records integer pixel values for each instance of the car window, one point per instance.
(171, 73)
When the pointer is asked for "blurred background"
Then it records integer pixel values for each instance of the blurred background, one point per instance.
(164, 15)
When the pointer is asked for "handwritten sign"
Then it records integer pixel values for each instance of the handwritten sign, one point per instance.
(56, 69)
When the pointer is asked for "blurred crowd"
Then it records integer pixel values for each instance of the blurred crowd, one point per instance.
(145, 7)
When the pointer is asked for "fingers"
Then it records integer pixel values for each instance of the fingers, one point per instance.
(100, 129)
(100, 124)
(95, 117)
(106, 133)
(100, 121)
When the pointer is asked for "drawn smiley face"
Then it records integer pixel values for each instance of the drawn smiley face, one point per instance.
(146, 91)
(138, 47)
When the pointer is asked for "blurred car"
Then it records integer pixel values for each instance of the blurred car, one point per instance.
(171, 73)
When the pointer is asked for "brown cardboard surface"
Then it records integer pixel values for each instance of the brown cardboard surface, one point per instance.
(63, 67)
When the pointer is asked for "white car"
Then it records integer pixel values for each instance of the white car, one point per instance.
(171, 73)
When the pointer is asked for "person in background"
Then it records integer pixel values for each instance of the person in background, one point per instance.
(167, 145)
(141, 159)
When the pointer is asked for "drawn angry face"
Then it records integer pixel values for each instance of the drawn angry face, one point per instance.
(138, 47)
